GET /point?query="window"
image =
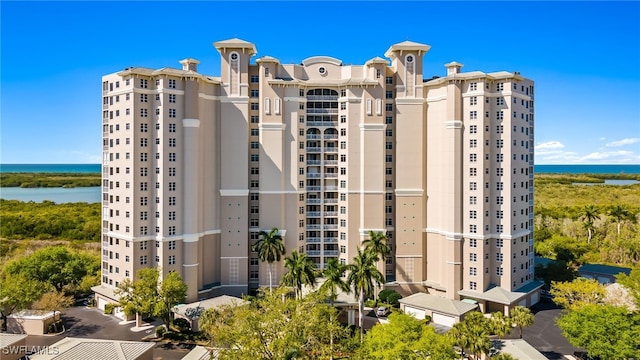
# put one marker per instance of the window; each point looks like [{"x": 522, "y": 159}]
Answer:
[
  {"x": 255, "y": 106},
  {"x": 172, "y": 215},
  {"x": 172, "y": 98},
  {"x": 473, "y": 200},
  {"x": 499, "y": 271},
  {"x": 473, "y": 143},
  {"x": 499, "y": 101},
  {"x": 172, "y": 113},
  {"x": 388, "y": 80},
  {"x": 499, "y": 86},
  {"x": 473, "y": 243},
  {"x": 172, "y": 230},
  {"x": 255, "y": 132},
  {"x": 388, "y": 94},
  {"x": 499, "y": 185},
  {"x": 499, "y": 257},
  {"x": 473, "y": 271},
  {"x": 172, "y": 259},
  {"x": 172, "y": 156},
  {"x": 255, "y": 157},
  {"x": 172, "y": 128},
  {"x": 473, "y": 129},
  {"x": 143, "y": 113},
  {"x": 143, "y": 260},
  {"x": 473, "y": 214},
  {"x": 255, "y": 145},
  {"x": 499, "y": 214},
  {"x": 473, "y": 257},
  {"x": 172, "y": 200},
  {"x": 500, "y": 115},
  {"x": 473, "y": 157},
  {"x": 499, "y": 243},
  {"x": 254, "y": 93},
  {"x": 473, "y": 100},
  {"x": 473, "y": 86},
  {"x": 473, "y": 229},
  {"x": 389, "y": 132},
  {"x": 388, "y": 107},
  {"x": 473, "y": 185},
  {"x": 473, "y": 115},
  {"x": 143, "y": 83},
  {"x": 388, "y": 158},
  {"x": 255, "y": 79},
  {"x": 143, "y": 245}
]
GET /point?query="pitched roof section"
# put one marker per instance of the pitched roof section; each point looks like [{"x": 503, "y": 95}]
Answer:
[
  {"x": 438, "y": 304},
  {"x": 320, "y": 60},
  {"x": 503, "y": 296},
  {"x": 406, "y": 46},
  {"x": 267, "y": 59},
  {"x": 235, "y": 43},
  {"x": 604, "y": 269},
  {"x": 10, "y": 339},
  {"x": 79, "y": 348},
  {"x": 377, "y": 60}
]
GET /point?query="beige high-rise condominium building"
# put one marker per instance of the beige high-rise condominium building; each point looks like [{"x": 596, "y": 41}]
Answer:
[{"x": 195, "y": 165}]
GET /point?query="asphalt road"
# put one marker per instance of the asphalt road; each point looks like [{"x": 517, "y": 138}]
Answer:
[
  {"x": 85, "y": 322},
  {"x": 544, "y": 334}
]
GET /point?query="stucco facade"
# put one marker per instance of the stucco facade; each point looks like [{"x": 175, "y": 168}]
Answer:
[{"x": 194, "y": 165}]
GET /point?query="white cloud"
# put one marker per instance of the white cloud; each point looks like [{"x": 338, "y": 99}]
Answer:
[
  {"x": 603, "y": 138},
  {"x": 623, "y": 142},
  {"x": 611, "y": 157},
  {"x": 549, "y": 145}
]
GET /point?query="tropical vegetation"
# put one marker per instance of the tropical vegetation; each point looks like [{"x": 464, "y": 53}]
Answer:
[
  {"x": 35, "y": 180},
  {"x": 270, "y": 249}
]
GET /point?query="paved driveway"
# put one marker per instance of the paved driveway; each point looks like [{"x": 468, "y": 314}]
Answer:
[
  {"x": 544, "y": 334},
  {"x": 85, "y": 322}
]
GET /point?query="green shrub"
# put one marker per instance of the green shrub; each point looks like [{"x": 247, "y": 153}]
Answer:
[
  {"x": 108, "y": 308},
  {"x": 182, "y": 325},
  {"x": 427, "y": 319},
  {"x": 384, "y": 294},
  {"x": 393, "y": 298},
  {"x": 160, "y": 330},
  {"x": 370, "y": 303}
]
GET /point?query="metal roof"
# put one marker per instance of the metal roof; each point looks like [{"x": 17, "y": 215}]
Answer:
[{"x": 438, "y": 304}]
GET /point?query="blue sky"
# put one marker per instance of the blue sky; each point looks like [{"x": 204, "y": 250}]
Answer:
[{"x": 583, "y": 56}]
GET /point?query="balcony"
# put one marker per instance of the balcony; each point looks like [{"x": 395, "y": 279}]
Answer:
[
  {"x": 322, "y": 97},
  {"x": 331, "y": 162},
  {"x": 314, "y": 175},
  {"x": 332, "y": 149},
  {"x": 314, "y": 149},
  {"x": 314, "y": 136},
  {"x": 313, "y": 226},
  {"x": 330, "y": 240},
  {"x": 313, "y": 252},
  {"x": 331, "y": 253},
  {"x": 322, "y": 123},
  {"x": 322, "y": 111},
  {"x": 330, "y": 213},
  {"x": 314, "y": 162},
  {"x": 105, "y": 257},
  {"x": 313, "y": 240},
  {"x": 314, "y": 188},
  {"x": 330, "y": 175},
  {"x": 313, "y": 213},
  {"x": 330, "y": 226},
  {"x": 330, "y": 136},
  {"x": 330, "y": 187},
  {"x": 314, "y": 201},
  {"x": 330, "y": 201}
]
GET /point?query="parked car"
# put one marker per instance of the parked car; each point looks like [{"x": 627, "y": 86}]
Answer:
[{"x": 382, "y": 311}]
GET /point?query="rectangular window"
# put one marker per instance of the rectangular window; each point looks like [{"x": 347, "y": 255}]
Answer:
[
  {"x": 255, "y": 79},
  {"x": 473, "y": 257},
  {"x": 388, "y": 94},
  {"x": 473, "y": 129},
  {"x": 388, "y": 80},
  {"x": 388, "y": 107},
  {"x": 473, "y": 100},
  {"x": 143, "y": 260},
  {"x": 172, "y": 98},
  {"x": 473, "y": 200},
  {"x": 473, "y": 115},
  {"x": 473, "y": 86}
]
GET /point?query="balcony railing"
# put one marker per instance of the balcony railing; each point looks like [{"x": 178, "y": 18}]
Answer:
[
  {"x": 331, "y": 253},
  {"x": 331, "y": 187},
  {"x": 314, "y": 136},
  {"x": 330, "y": 201},
  {"x": 330, "y": 226},
  {"x": 314, "y": 149},
  {"x": 331, "y": 162},
  {"x": 314, "y": 162},
  {"x": 331, "y": 240},
  {"x": 330, "y": 136},
  {"x": 313, "y": 240},
  {"x": 330, "y": 213},
  {"x": 313, "y": 213},
  {"x": 314, "y": 175},
  {"x": 314, "y": 201},
  {"x": 322, "y": 123},
  {"x": 314, "y": 188},
  {"x": 313, "y": 226},
  {"x": 322, "y": 111},
  {"x": 322, "y": 97},
  {"x": 331, "y": 175},
  {"x": 332, "y": 149},
  {"x": 313, "y": 252}
]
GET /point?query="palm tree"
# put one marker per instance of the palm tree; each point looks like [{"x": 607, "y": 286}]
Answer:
[
  {"x": 590, "y": 213},
  {"x": 300, "y": 271},
  {"x": 521, "y": 317},
  {"x": 377, "y": 244},
  {"x": 472, "y": 334},
  {"x": 619, "y": 213},
  {"x": 333, "y": 282},
  {"x": 500, "y": 324},
  {"x": 270, "y": 248},
  {"x": 362, "y": 273}
]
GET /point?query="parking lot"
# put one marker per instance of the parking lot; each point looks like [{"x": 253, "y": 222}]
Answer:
[{"x": 83, "y": 322}]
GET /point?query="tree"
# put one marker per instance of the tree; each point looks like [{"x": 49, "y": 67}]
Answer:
[
  {"x": 472, "y": 333},
  {"x": 139, "y": 297},
  {"x": 404, "y": 337},
  {"x": 362, "y": 273},
  {"x": 55, "y": 301},
  {"x": 500, "y": 324},
  {"x": 274, "y": 327},
  {"x": 300, "y": 271},
  {"x": 605, "y": 331},
  {"x": 333, "y": 273},
  {"x": 619, "y": 213},
  {"x": 270, "y": 248},
  {"x": 632, "y": 283},
  {"x": 577, "y": 293},
  {"x": 171, "y": 292},
  {"x": 590, "y": 214},
  {"x": 56, "y": 265},
  {"x": 377, "y": 244},
  {"x": 17, "y": 292},
  {"x": 521, "y": 317}
]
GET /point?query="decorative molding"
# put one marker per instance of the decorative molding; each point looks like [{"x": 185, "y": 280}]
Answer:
[
  {"x": 277, "y": 192},
  {"x": 190, "y": 265},
  {"x": 410, "y": 256},
  {"x": 453, "y": 124},
  {"x": 453, "y": 262},
  {"x": 365, "y": 232},
  {"x": 190, "y": 123},
  {"x": 409, "y": 192},
  {"x": 188, "y": 238},
  {"x": 208, "y": 97},
  {"x": 242, "y": 100},
  {"x": 374, "y": 192},
  {"x": 272, "y": 126},
  {"x": 372, "y": 127},
  {"x": 212, "y": 232},
  {"x": 234, "y": 192},
  {"x": 409, "y": 101},
  {"x": 437, "y": 98},
  {"x": 233, "y": 257}
]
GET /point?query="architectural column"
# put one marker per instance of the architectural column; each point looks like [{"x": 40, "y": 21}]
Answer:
[{"x": 190, "y": 235}]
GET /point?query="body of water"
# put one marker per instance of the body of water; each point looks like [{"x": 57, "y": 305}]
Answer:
[
  {"x": 57, "y": 195},
  {"x": 50, "y": 168},
  {"x": 587, "y": 169}
]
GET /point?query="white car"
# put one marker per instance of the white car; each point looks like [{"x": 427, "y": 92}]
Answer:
[{"x": 382, "y": 311}]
